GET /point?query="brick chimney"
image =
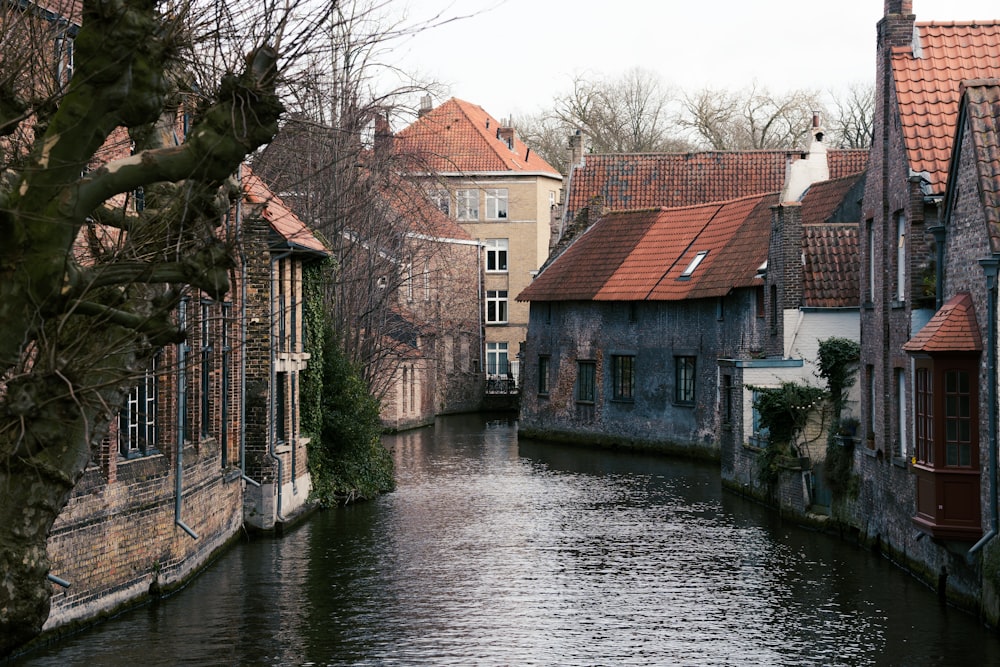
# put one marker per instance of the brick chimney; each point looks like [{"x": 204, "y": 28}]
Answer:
[
  {"x": 896, "y": 26},
  {"x": 506, "y": 135},
  {"x": 425, "y": 106},
  {"x": 577, "y": 148}
]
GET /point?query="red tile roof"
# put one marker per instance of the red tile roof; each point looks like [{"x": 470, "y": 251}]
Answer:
[
  {"x": 830, "y": 248},
  {"x": 981, "y": 104},
  {"x": 641, "y": 255},
  {"x": 832, "y": 266},
  {"x": 633, "y": 181},
  {"x": 459, "y": 136},
  {"x": 279, "y": 216},
  {"x": 952, "y": 329},
  {"x": 927, "y": 88}
]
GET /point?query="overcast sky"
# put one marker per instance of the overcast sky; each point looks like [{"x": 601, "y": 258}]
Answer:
[{"x": 514, "y": 56}]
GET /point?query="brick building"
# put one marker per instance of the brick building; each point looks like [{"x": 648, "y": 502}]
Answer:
[
  {"x": 208, "y": 438},
  {"x": 917, "y": 264},
  {"x": 485, "y": 178}
]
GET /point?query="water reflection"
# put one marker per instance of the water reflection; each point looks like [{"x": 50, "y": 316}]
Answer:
[{"x": 499, "y": 552}]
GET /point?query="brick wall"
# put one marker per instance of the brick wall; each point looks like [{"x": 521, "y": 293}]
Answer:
[{"x": 114, "y": 540}]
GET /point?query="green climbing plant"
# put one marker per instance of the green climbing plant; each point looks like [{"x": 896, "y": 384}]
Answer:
[
  {"x": 347, "y": 461},
  {"x": 838, "y": 363},
  {"x": 784, "y": 412}
]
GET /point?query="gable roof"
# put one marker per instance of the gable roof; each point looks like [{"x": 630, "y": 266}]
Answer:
[
  {"x": 642, "y": 255},
  {"x": 647, "y": 180},
  {"x": 285, "y": 223},
  {"x": 952, "y": 329},
  {"x": 830, "y": 247},
  {"x": 460, "y": 137},
  {"x": 979, "y": 115},
  {"x": 927, "y": 77}
]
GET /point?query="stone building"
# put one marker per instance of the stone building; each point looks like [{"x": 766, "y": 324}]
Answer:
[
  {"x": 485, "y": 178},
  {"x": 629, "y": 322}
]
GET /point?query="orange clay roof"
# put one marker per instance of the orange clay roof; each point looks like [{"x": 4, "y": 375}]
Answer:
[
  {"x": 640, "y": 255},
  {"x": 647, "y": 180},
  {"x": 981, "y": 103},
  {"x": 279, "y": 216},
  {"x": 927, "y": 88},
  {"x": 952, "y": 329},
  {"x": 408, "y": 200},
  {"x": 459, "y": 136}
]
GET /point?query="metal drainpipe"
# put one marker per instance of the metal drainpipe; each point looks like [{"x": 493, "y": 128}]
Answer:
[
  {"x": 272, "y": 406},
  {"x": 990, "y": 266},
  {"x": 181, "y": 412}
]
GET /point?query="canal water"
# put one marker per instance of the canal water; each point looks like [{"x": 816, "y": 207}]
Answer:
[{"x": 495, "y": 551}]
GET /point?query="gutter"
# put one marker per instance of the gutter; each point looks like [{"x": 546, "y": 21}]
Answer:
[{"x": 990, "y": 267}]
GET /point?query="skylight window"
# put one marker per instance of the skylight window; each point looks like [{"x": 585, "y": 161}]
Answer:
[{"x": 694, "y": 264}]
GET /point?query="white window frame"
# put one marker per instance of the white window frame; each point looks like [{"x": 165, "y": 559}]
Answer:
[
  {"x": 137, "y": 427},
  {"x": 442, "y": 200},
  {"x": 497, "y": 203},
  {"x": 497, "y": 360},
  {"x": 467, "y": 204},
  {"x": 496, "y": 306},
  {"x": 497, "y": 255}
]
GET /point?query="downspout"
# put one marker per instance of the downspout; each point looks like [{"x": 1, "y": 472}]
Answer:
[
  {"x": 272, "y": 405},
  {"x": 181, "y": 412},
  {"x": 243, "y": 333},
  {"x": 990, "y": 266}
]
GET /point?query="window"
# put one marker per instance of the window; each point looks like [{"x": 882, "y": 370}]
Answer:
[
  {"x": 441, "y": 199},
  {"x": 774, "y": 309},
  {"x": 684, "y": 380},
  {"x": 496, "y": 359},
  {"x": 760, "y": 434},
  {"x": 924, "y": 417},
  {"x": 900, "y": 446},
  {"x": 694, "y": 264},
  {"x": 586, "y": 374},
  {"x": 496, "y": 204},
  {"x": 496, "y": 306},
  {"x": 759, "y": 297},
  {"x": 870, "y": 224},
  {"x": 137, "y": 423},
  {"x": 206, "y": 370},
  {"x": 543, "y": 375},
  {"x": 870, "y": 379},
  {"x": 957, "y": 420},
  {"x": 726, "y": 400},
  {"x": 720, "y": 308},
  {"x": 281, "y": 407},
  {"x": 496, "y": 255},
  {"x": 623, "y": 373},
  {"x": 900, "y": 257},
  {"x": 467, "y": 204}
]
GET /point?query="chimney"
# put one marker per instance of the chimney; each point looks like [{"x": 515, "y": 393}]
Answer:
[
  {"x": 577, "y": 148},
  {"x": 425, "y": 106},
  {"x": 811, "y": 168},
  {"x": 896, "y": 26},
  {"x": 506, "y": 135},
  {"x": 383, "y": 135}
]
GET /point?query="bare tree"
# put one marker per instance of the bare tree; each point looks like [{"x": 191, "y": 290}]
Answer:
[
  {"x": 335, "y": 163},
  {"x": 631, "y": 113},
  {"x": 853, "y": 120},
  {"x": 89, "y": 280},
  {"x": 547, "y": 136},
  {"x": 749, "y": 119}
]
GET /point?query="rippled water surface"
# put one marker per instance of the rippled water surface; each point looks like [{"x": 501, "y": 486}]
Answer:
[{"x": 499, "y": 552}]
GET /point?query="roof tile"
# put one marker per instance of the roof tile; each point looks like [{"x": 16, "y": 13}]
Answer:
[
  {"x": 671, "y": 180},
  {"x": 459, "y": 136},
  {"x": 640, "y": 255},
  {"x": 952, "y": 329},
  {"x": 927, "y": 88}
]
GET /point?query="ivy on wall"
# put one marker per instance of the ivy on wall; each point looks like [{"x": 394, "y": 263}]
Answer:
[{"x": 347, "y": 461}]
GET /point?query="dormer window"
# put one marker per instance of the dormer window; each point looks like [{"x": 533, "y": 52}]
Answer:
[{"x": 694, "y": 264}]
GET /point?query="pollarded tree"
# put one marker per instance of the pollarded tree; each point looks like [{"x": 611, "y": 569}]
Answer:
[{"x": 108, "y": 217}]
